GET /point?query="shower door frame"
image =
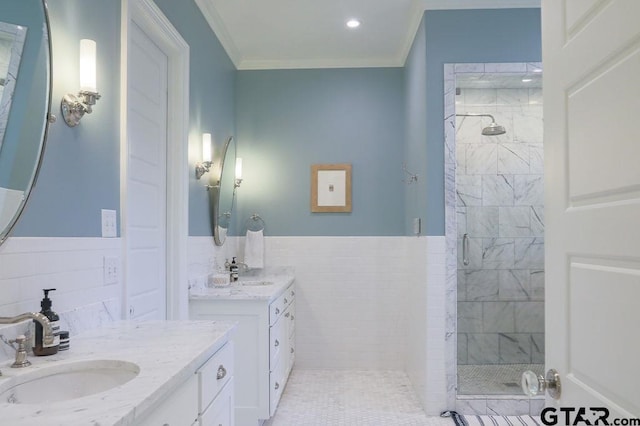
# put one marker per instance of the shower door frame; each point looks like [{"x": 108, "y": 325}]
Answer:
[{"x": 451, "y": 230}]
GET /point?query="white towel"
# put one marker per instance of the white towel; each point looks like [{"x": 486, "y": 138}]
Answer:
[
  {"x": 254, "y": 249},
  {"x": 222, "y": 232}
]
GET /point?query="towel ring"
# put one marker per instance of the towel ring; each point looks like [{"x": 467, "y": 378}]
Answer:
[{"x": 254, "y": 223}]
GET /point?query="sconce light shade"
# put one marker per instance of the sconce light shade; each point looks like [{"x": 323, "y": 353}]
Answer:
[
  {"x": 74, "y": 107},
  {"x": 207, "y": 152},
  {"x": 238, "y": 172},
  {"x": 88, "y": 65},
  {"x": 207, "y": 155}
]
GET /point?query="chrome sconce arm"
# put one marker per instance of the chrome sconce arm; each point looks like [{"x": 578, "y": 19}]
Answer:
[
  {"x": 202, "y": 168},
  {"x": 74, "y": 107}
]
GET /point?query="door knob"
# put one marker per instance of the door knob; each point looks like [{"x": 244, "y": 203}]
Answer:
[{"x": 534, "y": 384}]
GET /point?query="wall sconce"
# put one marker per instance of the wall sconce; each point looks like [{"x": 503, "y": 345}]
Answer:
[
  {"x": 75, "y": 106},
  {"x": 238, "y": 173},
  {"x": 207, "y": 155}
]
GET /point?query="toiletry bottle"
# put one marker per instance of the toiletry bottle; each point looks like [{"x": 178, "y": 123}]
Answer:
[
  {"x": 38, "y": 348},
  {"x": 234, "y": 270}
]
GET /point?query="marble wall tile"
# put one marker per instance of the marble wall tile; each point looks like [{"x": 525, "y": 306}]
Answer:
[
  {"x": 536, "y": 406},
  {"x": 515, "y": 221},
  {"x": 515, "y": 407},
  {"x": 481, "y": 284},
  {"x": 513, "y": 96},
  {"x": 482, "y": 159},
  {"x": 515, "y": 348},
  {"x": 537, "y": 284},
  {"x": 529, "y": 317},
  {"x": 472, "y": 406},
  {"x": 483, "y": 348},
  {"x": 468, "y": 129},
  {"x": 482, "y": 221},
  {"x": 514, "y": 284},
  {"x": 469, "y": 317},
  {"x": 461, "y": 159},
  {"x": 468, "y": 67},
  {"x": 469, "y": 190},
  {"x": 482, "y": 97},
  {"x": 462, "y": 348},
  {"x": 537, "y": 221},
  {"x": 508, "y": 67},
  {"x": 461, "y": 221},
  {"x": 537, "y": 348},
  {"x": 498, "y": 317},
  {"x": 535, "y": 96},
  {"x": 528, "y": 190},
  {"x": 513, "y": 158},
  {"x": 536, "y": 158},
  {"x": 497, "y": 253},
  {"x": 529, "y": 253},
  {"x": 528, "y": 127},
  {"x": 461, "y": 282},
  {"x": 497, "y": 190}
]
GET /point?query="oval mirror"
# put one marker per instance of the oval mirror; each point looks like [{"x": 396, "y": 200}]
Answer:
[
  {"x": 223, "y": 194},
  {"x": 25, "y": 101}
]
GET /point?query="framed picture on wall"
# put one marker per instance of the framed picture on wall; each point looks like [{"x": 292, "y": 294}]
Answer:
[{"x": 330, "y": 188}]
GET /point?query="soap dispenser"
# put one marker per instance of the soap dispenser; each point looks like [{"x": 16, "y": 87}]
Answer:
[
  {"x": 38, "y": 348},
  {"x": 234, "y": 270}
]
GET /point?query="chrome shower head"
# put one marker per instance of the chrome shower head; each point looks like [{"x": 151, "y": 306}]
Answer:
[{"x": 493, "y": 129}]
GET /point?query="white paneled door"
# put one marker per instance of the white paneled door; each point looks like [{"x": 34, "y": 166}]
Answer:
[
  {"x": 146, "y": 190},
  {"x": 591, "y": 57}
]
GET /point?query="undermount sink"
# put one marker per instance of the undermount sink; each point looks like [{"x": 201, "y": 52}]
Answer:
[
  {"x": 255, "y": 283},
  {"x": 66, "y": 381}
]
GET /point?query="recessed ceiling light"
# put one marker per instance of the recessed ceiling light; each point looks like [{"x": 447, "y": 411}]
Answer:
[
  {"x": 353, "y": 23},
  {"x": 527, "y": 80}
]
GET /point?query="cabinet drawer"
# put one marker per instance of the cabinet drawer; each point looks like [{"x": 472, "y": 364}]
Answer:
[
  {"x": 290, "y": 316},
  {"x": 221, "y": 411},
  {"x": 278, "y": 341},
  {"x": 214, "y": 374},
  {"x": 277, "y": 381},
  {"x": 278, "y": 306}
]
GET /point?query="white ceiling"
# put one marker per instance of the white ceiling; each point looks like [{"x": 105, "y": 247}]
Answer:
[{"x": 272, "y": 34}]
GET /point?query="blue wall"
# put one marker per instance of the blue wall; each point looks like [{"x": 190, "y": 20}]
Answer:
[
  {"x": 81, "y": 167},
  {"x": 80, "y": 174},
  {"x": 290, "y": 119},
  {"x": 415, "y": 154},
  {"x": 454, "y": 36},
  {"x": 211, "y": 98}
]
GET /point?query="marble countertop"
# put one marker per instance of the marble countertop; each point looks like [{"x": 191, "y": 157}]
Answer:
[
  {"x": 167, "y": 353},
  {"x": 239, "y": 291}
]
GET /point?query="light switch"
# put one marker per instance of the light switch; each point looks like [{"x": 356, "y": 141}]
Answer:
[{"x": 109, "y": 226}]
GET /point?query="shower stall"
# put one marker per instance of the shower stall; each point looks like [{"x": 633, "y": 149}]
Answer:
[{"x": 497, "y": 157}]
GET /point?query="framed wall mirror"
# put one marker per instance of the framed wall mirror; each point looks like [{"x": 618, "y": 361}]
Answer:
[
  {"x": 223, "y": 193},
  {"x": 25, "y": 104}
]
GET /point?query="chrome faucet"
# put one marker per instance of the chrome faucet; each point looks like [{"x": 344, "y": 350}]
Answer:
[{"x": 47, "y": 331}]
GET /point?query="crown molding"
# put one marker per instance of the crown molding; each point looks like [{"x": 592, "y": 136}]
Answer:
[{"x": 216, "y": 23}]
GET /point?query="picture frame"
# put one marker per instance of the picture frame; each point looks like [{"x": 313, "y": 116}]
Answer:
[{"x": 331, "y": 188}]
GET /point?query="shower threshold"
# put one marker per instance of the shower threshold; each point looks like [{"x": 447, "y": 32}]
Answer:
[{"x": 500, "y": 379}]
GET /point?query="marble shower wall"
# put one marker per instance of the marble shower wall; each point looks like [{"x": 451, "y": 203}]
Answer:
[{"x": 499, "y": 204}]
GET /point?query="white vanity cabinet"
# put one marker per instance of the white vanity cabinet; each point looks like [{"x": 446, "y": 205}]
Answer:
[
  {"x": 206, "y": 398},
  {"x": 264, "y": 345}
]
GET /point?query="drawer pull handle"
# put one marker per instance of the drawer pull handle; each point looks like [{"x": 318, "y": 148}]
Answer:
[
  {"x": 285, "y": 300},
  {"x": 222, "y": 372},
  {"x": 277, "y": 311},
  {"x": 276, "y": 344},
  {"x": 292, "y": 350},
  {"x": 287, "y": 315},
  {"x": 291, "y": 317},
  {"x": 277, "y": 386},
  {"x": 293, "y": 293}
]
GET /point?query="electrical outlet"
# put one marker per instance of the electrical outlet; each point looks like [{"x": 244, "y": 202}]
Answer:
[
  {"x": 109, "y": 226},
  {"x": 110, "y": 269}
]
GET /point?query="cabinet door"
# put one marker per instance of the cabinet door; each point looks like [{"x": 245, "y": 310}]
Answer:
[
  {"x": 221, "y": 411},
  {"x": 179, "y": 409}
]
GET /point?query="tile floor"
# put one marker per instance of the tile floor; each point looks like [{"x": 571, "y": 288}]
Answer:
[{"x": 351, "y": 398}]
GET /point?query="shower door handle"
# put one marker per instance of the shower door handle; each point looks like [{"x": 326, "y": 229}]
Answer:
[{"x": 465, "y": 249}]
